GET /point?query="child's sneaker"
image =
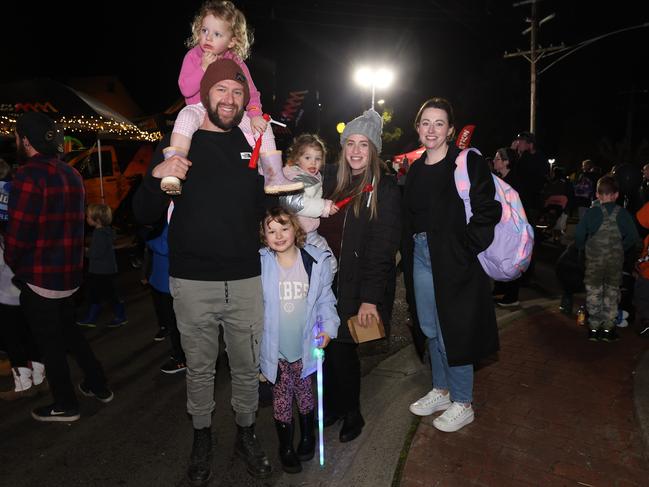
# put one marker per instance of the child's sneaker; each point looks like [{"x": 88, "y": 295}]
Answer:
[
  {"x": 593, "y": 335},
  {"x": 430, "y": 403},
  {"x": 609, "y": 335},
  {"x": 104, "y": 395},
  {"x": 454, "y": 418}
]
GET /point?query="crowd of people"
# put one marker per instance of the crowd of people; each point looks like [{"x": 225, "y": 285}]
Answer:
[{"x": 281, "y": 276}]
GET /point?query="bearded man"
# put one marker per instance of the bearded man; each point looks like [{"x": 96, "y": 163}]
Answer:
[{"x": 214, "y": 263}]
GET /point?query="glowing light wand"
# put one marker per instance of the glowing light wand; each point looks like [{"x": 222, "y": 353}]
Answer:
[{"x": 319, "y": 355}]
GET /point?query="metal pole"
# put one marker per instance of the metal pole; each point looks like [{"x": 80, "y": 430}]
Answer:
[
  {"x": 533, "y": 58},
  {"x": 373, "y": 89},
  {"x": 101, "y": 173}
]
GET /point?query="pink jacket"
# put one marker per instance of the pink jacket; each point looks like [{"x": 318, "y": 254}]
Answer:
[{"x": 191, "y": 74}]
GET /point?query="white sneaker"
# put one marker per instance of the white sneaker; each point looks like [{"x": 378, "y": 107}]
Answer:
[
  {"x": 454, "y": 418},
  {"x": 430, "y": 403},
  {"x": 622, "y": 324}
]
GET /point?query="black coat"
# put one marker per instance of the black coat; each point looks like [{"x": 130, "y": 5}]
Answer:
[
  {"x": 366, "y": 262},
  {"x": 462, "y": 289}
]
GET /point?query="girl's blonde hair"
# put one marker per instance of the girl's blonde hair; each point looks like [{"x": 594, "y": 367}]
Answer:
[
  {"x": 227, "y": 12},
  {"x": 371, "y": 175},
  {"x": 283, "y": 217},
  {"x": 102, "y": 214},
  {"x": 301, "y": 143}
]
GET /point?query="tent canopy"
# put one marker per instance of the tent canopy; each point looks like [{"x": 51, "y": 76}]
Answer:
[{"x": 76, "y": 111}]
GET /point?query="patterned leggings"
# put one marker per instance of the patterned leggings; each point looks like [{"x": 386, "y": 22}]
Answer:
[{"x": 288, "y": 384}]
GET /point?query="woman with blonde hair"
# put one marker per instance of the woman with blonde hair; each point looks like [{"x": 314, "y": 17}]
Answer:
[{"x": 364, "y": 237}]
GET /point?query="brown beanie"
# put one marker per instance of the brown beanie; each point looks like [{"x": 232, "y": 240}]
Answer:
[{"x": 218, "y": 71}]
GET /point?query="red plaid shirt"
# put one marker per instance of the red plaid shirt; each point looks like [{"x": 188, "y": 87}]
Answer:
[{"x": 44, "y": 238}]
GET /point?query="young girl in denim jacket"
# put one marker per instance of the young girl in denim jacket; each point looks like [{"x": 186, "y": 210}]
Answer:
[{"x": 299, "y": 315}]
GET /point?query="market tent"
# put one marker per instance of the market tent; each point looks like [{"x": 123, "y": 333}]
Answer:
[
  {"x": 76, "y": 112},
  {"x": 73, "y": 109}
]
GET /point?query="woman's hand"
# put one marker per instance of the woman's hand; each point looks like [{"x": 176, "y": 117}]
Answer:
[
  {"x": 365, "y": 313},
  {"x": 325, "y": 339}
]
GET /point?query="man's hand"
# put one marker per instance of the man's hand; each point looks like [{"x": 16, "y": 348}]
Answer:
[
  {"x": 365, "y": 313},
  {"x": 174, "y": 166}
]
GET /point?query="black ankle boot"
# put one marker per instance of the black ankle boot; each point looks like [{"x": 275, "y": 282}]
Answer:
[
  {"x": 200, "y": 469},
  {"x": 248, "y": 448},
  {"x": 306, "y": 447},
  {"x": 352, "y": 426},
  {"x": 290, "y": 462}
]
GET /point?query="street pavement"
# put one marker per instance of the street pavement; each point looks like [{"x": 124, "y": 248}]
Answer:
[{"x": 551, "y": 409}]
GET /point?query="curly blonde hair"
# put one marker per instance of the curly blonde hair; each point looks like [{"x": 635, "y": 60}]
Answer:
[
  {"x": 227, "y": 12},
  {"x": 283, "y": 217},
  {"x": 300, "y": 144}
]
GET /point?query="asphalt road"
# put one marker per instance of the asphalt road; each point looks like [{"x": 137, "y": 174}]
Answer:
[{"x": 143, "y": 437}]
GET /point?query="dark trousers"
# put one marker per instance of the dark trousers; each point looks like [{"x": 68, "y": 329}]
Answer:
[
  {"x": 18, "y": 340},
  {"x": 342, "y": 378},
  {"x": 52, "y": 324},
  {"x": 101, "y": 287},
  {"x": 509, "y": 289},
  {"x": 163, "y": 303}
]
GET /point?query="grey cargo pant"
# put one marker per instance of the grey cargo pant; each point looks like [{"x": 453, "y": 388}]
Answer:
[{"x": 200, "y": 307}]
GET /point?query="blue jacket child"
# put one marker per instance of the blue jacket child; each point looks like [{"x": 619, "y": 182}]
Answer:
[
  {"x": 299, "y": 311},
  {"x": 321, "y": 304}
]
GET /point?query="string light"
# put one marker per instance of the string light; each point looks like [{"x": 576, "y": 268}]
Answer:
[{"x": 90, "y": 124}]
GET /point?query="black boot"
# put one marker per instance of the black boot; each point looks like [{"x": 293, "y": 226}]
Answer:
[
  {"x": 306, "y": 447},
  {"x": 352, "y": 426},
  {"x": 200, "y": 470},
  {"x": 290, "y": 462},
  {"x": 248, "y": 448}
]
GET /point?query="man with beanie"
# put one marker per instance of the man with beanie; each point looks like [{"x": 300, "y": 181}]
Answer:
[
  {"x": 44, "y": 248},
  {"x": 214, "y": 265}
]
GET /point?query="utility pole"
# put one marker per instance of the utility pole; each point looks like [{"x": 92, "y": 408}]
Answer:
[{"x": 535, "y": 53}]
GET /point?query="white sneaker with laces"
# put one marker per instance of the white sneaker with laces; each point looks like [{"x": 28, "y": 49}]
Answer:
[
  {"x": 430, "y": 403},
  {"x": 454, "y": 418}
]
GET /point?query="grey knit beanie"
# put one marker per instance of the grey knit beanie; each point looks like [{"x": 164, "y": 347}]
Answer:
[{"x": 370, "y": 124}]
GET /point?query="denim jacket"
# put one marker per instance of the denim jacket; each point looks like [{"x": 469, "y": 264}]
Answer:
[{"x": 321, "y": 305}]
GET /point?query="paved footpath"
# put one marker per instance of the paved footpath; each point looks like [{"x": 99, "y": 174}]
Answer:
[{"x": 553, "y": 410}]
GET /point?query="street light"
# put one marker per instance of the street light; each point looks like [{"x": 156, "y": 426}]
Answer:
[{"x": 374, "y": 78}]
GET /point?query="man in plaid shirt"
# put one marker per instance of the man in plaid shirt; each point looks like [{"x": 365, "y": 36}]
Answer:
[{"x": 44, "y": 248}]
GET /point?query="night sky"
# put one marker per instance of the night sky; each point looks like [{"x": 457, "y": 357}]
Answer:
[{"x": 587, "y": 103}]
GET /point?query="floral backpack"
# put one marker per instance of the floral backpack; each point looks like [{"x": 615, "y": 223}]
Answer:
[{"x": 510, "y": 253}]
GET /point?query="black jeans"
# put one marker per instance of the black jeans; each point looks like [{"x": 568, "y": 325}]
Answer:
[
  {"x": 342, "y": 378},
  {"x": 163, "y": 304},
  {"x": 52, "y": 324},
  {"x": 18, "y": 340}
]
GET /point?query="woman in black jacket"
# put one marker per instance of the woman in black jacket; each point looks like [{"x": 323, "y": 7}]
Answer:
[
  {"x": 364, "y": 237},
  {"x": 452, "y": 292}
]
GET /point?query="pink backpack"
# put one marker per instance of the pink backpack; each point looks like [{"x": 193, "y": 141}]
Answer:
[{"x": 510, "y": 253}]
